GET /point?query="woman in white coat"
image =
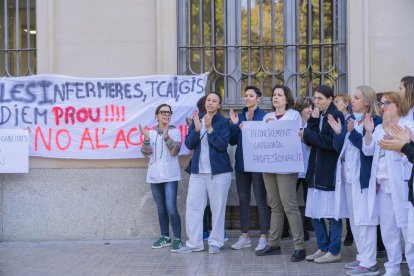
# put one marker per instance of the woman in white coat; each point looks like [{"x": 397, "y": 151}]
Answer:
[
  {"x": 389, "y": 172},
  {"x": 353, "y": 193},
  {"x": 403, "y": 142}
]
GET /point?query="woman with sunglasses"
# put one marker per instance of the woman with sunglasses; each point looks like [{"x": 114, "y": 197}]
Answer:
[
  {"x": 403, "y": 142},
  {"x": 161, "y": 145},
  {"x": 389, "y": 173},
  {"x": 210, "y": 178},
  {"x": 353, "y": 195}
]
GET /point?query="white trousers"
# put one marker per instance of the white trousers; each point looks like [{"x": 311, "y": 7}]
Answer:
[
  {"x": 365, "y": 236},
  {"x": 391, "y": 236},
  {"x": 216, "y": 189}
]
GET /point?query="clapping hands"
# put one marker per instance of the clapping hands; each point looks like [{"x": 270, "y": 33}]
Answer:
[
  {"x": 234, "y": 117},
  {"x": 335, "y": 125},
  {"x": 197, "y": 123},
  {"x": 397, "y": 139}
]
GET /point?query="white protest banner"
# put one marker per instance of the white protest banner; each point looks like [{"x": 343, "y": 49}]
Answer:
[
  {"x": 14, "y": 151},
  {"x": 94, "y": 118},
  {"x": 272, "y": 147}
]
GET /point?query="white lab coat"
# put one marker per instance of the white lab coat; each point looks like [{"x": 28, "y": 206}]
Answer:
[
  {"x": 290, "y": 114},
  {"x": 163, "y": 167},
  {"x": 320, "y": 204},
  {"x": 362, "y": 200},
  {"x": 398, "y": 171},
  {"x": 410, "y": 231},
  {"x": 410, "y": 115}
]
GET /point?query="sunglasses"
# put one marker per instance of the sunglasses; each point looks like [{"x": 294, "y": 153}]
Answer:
[
  {"x": 165, "y": 113},
  {"x": 384, "y": 104}
]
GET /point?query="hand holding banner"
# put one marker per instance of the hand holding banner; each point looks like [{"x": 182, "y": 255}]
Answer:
[{"x": 273, "y": 147}]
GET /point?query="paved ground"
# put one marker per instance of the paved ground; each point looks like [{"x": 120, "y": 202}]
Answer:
[{"x": 137, "y": 258}]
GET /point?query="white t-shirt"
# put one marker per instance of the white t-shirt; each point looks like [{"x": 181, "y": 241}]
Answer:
[{"x": 204, "y": 165}]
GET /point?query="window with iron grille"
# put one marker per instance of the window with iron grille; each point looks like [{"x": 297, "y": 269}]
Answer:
[
  {"x": 299, "y": 43},
  {"x": 17, "y": 38}
]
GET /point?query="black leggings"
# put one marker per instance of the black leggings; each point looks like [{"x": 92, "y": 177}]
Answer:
[{"x": 244, "y": 181}]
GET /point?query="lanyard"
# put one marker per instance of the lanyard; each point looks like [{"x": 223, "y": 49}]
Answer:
[{"x": 162, "y": 148}]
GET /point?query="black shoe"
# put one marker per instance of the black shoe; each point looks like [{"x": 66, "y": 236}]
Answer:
[
  {"x": 381, "y": 251},
  {"x": 269, "y": 251},
  {"x": 307, "y": 224},
  {"x": 298, "y": 255},
  {"x": 349, "y": 239},
  {"x": 305, "y": 235}
]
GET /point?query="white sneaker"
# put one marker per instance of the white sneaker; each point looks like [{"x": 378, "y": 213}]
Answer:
[
  {"x": 392, "y": 274},
  {"x": 242, "y": 243},
  {"x": 328, "y": 258},
  {"x": 212, "y": 249},
  {"x": 352, "y": 265},
  {"x": 315, "y": 255},
  {"x": 187, "y": 249},
  {"x": 364, "y": 271},
  {"x": 261, "y": 245}
]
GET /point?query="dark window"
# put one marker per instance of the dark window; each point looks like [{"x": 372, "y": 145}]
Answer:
[{"x": 17, "y": 38}]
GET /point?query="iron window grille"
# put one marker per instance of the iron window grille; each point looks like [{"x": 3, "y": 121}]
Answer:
[
  {"x": 299, "y": 43},
  {"x": 17, "y": 38}
]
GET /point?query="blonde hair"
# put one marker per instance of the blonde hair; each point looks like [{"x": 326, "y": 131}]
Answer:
[
  {"x": 346, "y": 98},
  {"x": 402, "y": 106},
  {"x": 370, "y": 98}
]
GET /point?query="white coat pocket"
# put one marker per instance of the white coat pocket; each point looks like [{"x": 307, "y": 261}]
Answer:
[{"x": 163, "y": 172}]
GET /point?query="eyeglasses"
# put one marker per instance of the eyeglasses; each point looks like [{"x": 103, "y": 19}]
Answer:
[
  {"x": 384, "y": 104},
  {"x": 339, "y": 101},
  {"x": 165, "y": 113}
]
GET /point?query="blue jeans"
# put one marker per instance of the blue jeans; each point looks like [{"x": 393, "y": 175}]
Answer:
[
  {"x": 331, "y": 243},
  {"x": 165, "y": 196}
]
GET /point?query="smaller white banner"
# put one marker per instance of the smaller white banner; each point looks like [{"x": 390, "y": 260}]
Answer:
[
  {"x": 14, "y": 151},
  {"x": 272, "y": 147}
]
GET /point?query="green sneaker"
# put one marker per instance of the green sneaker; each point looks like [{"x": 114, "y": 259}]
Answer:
[
  {"x": 162, "y": 242},
  {"x": 176, "y": 244}
]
